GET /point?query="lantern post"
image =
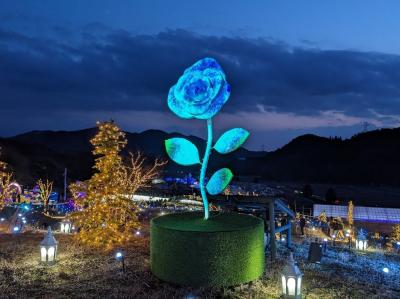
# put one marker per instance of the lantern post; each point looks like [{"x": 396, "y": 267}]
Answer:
[
  {"x": 48, "y": 248},
  {"x": 291, "y": 280}
]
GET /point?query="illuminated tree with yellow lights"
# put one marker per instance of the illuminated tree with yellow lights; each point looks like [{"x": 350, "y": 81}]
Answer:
[
  {"x": 109, "y": 215},
  {"x": 5, "y": 181},
  {"x": 395, "y": 235},
  {"x": 350, "y": 211},
  {"x": 136, "y": 174},
  {"x": 45, "y": 189},
  {"x": 78, "y": 191},
  {"x": 322, "y": 217}
]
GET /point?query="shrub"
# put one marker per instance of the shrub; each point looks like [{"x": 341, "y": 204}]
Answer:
[{"x": 227, "y": 249}]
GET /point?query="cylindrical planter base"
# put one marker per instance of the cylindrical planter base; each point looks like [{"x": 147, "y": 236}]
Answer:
[{"x": 225, "y": 250}]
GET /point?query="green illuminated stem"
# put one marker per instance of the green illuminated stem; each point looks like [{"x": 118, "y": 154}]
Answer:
[{"x": 204, "y": 168}]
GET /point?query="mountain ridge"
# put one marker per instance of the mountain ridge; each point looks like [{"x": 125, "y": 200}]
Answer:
[{"x": 369, "y": 158}]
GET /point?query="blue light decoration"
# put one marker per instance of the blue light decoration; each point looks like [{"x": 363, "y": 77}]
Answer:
[
  {"x": 200, "y": 93},
  {"x": 385, "y": 270},
  {"x": 119, "y": 255}
]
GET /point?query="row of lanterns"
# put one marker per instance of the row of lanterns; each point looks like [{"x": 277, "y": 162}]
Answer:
[
  {"x": 48, "y": 246},
  {"x": 291, "y": 275}
]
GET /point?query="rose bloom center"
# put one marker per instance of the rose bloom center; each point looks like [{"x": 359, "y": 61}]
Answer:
[{"x": 197, "y": 90}]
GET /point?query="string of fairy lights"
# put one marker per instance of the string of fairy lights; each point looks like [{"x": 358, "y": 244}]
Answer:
[
  {"x": 5, "y": 181},
  {"x": 107, "y": 216}
]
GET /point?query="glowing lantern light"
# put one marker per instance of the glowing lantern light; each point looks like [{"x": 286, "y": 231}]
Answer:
[
  {"x": 361, "y": 241},
  {"x": 65, "y": 226},
  {"x": 291, "y": 280},
  {"x": 48, "y": 248},
  {"x": 361, "y": 244}
]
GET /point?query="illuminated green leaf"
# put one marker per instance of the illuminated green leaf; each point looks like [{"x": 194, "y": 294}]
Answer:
[
  {"x": 182, "y": 151},
  {"x": 231, "y": 140},
  {"x": 219, "y": 181}
]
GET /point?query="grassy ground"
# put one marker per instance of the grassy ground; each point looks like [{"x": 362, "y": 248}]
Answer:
[{"x": 81, "y": 273}]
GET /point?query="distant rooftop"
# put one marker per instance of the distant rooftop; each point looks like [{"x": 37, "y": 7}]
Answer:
[{"x": 371, "y": 214}]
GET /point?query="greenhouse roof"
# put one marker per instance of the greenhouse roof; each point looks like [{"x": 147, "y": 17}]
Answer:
[{"x": 359, "y": 213}]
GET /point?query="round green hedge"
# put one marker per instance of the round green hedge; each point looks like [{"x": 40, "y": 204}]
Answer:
[{"x": 225, "y": 250}]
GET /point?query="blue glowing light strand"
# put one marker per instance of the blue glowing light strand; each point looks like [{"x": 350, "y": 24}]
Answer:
[{"x": 204, "y": 168}]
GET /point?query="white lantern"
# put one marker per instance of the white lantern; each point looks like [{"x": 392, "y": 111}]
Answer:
[
  {"x": 48, "y": 248},
  {"x": 291, "y": 280},
  {"x": 361, "y": 244},
  {"x": 361, "y": 241},
  {"x": 65, "y": 226}
]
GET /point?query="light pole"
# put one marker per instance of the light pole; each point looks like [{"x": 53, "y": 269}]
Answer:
[{"x": 119, "y": 256}]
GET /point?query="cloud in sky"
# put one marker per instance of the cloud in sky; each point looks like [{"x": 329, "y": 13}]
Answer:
[{"x": 68, "y": 83}]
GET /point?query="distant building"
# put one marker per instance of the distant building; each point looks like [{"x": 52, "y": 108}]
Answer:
[
  {"x": 368, "y": 214},
  {"x": 370, "y": 218}
]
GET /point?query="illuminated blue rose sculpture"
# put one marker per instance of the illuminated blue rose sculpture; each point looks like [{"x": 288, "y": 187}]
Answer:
[
  {"x": 228, "y": 248},
  {"x": 200, "y": 93}
]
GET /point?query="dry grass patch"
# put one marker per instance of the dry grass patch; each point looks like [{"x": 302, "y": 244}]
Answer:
[{"x": 84, "y": 273}]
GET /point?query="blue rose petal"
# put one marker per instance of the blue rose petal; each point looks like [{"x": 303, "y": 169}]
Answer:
[
  {"x": 204, "y": 64},
  {"x": 217, "y": 104},
  {"x": 200, "y": 92},
  {"x": 176, "y": 106}
]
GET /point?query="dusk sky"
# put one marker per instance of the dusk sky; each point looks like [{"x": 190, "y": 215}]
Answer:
[{"x": 322, "y": 67}]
